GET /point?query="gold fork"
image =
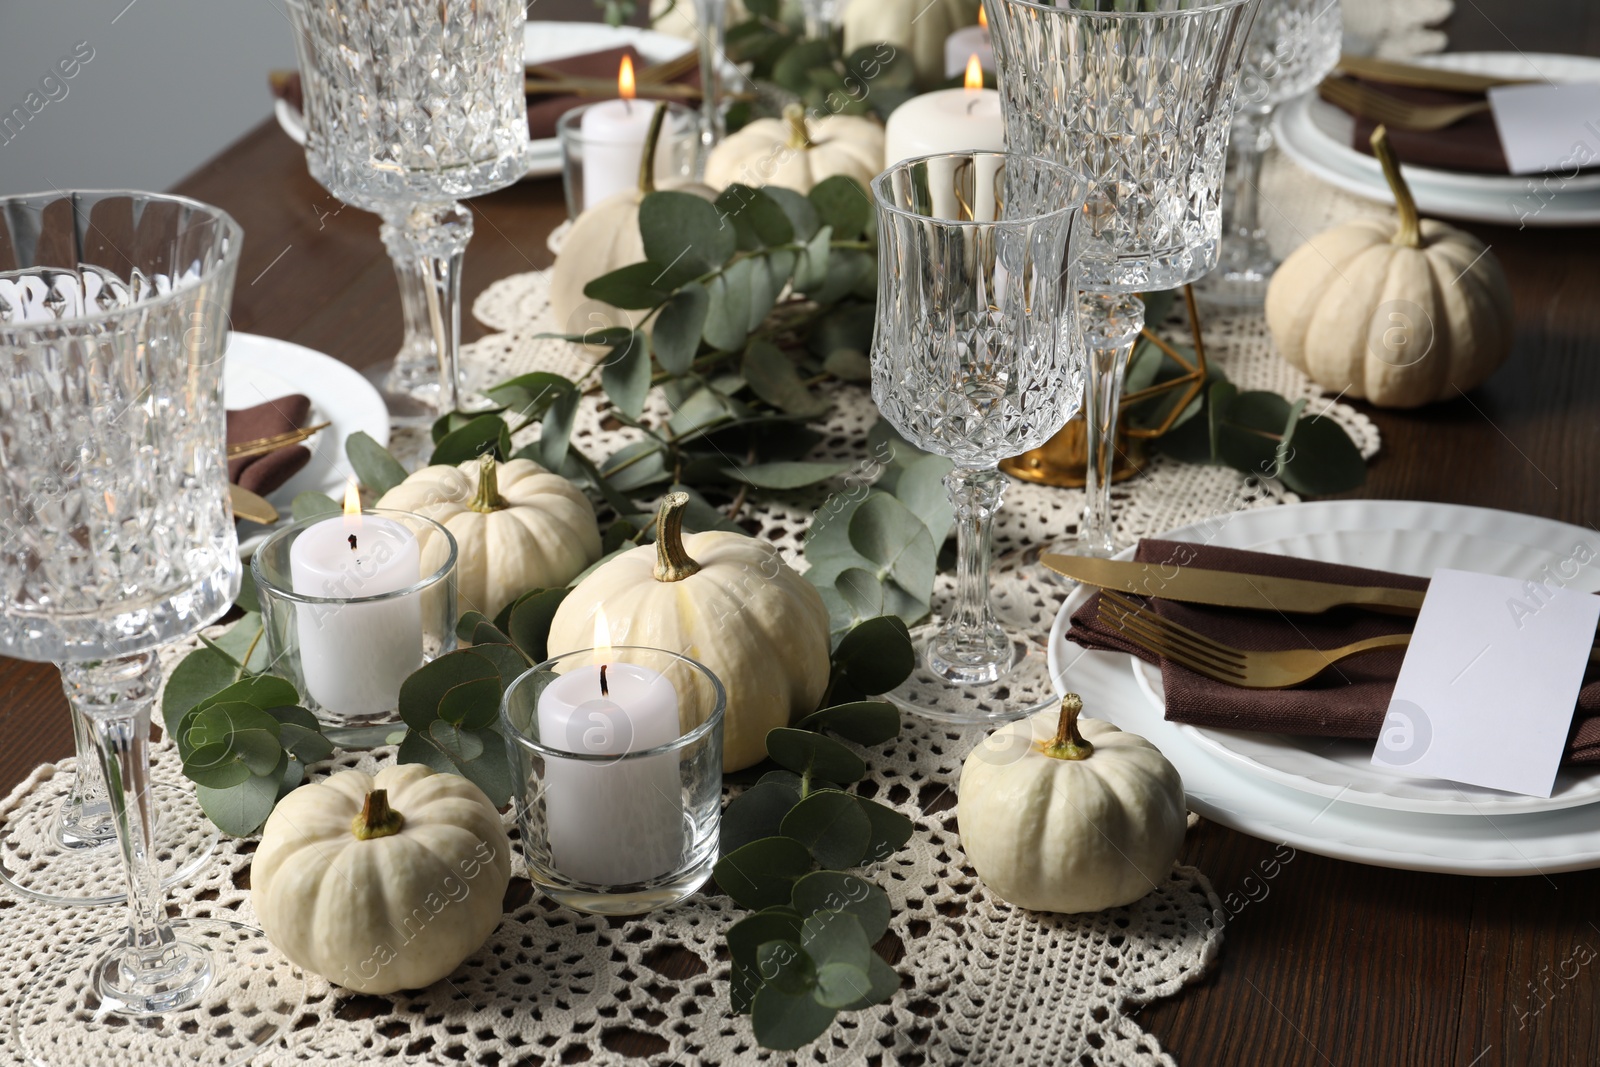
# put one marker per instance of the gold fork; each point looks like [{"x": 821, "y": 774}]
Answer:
[
  {"x": 1244, "y": 668},
  {"x": 260, "y": 446},
  {"x": 1399, "y": 114}
]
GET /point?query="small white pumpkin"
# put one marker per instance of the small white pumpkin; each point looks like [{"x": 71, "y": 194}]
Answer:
[
  {"x": 603, "y": 239},
  {"x": 1399, "y": 317},
  {"x": 677, "y": 17},
  {"x": 724, "y": 599},
  {"x": 517, "y": 527},
  {"x": 797, "y": 153},
  {"x": 385, "y": 883},
  {"x": 1064, "y": 814},
  {"x": 919, "y": 27}
]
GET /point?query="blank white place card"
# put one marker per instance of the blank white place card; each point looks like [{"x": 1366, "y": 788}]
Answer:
[
  {"x": 1489, "y": 683},
  {"x": 1548, "y": 127}
]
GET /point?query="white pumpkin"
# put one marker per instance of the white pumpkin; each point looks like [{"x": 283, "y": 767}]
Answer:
[
  {"x": 677, "y": 17},
  {"x": 385, "y": 883},
  {"x": 797, "y": 153},
  {"x": 517, "y": 527},
  {"x": 914, "y": 26},
  {"x": 723, "y": 599},
  {"x": 1399, "y": 317},
  {"x": 1064, "y": 814}
]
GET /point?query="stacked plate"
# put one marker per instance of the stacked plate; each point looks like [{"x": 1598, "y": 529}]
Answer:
[
  {"x": 1317, "y": 135},
  {"x": 1323, "y": 795}
]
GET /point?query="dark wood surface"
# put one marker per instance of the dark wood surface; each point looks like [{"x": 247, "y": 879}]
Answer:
[{"x": 1324, "y": 962}]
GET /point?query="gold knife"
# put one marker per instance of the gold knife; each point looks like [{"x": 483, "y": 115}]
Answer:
[
  {"x": 1197, "y": 585},
  {"x": 1418, "y": 76},
  {"x": 248, "y": 505}
]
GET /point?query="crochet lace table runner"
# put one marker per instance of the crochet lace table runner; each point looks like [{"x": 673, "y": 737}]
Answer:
[{"x": 982, "y": 983}]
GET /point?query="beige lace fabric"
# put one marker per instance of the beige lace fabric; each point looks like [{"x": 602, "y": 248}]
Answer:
[{"x": 981, "y": 983}]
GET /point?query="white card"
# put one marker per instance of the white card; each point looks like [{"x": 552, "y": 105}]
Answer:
[
  {"x": 1490, "y": 681},
  {"x": 1548, "y": 127}
]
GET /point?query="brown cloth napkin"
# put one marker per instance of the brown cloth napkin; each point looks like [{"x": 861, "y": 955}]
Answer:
[
  {"x": 1473, "y": 144},
  {"x": 1347, "y": 700},
  {"x": 543, "y": 110},
  {"x": 262, "y": 474}
]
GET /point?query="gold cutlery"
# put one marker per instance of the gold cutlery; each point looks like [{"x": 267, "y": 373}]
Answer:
[
  {"x": 260, "y": 446},
  {"x": 1197, "y": 585},
  {"x": 248, "y": 505},
  {"x": 1239, "y": 667},
  {"x": 1420, "y": 77},
  {"x": 1393, "y": 112}
]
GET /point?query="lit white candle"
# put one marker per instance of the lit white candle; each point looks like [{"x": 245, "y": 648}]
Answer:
[
  {"x": 614, "y": 133},
  {"x": 353, "y": 657},
  {"x": 968, "y": 41},
  {"x": 611, "y": 823},
  {"x": 950, "y": 120}
]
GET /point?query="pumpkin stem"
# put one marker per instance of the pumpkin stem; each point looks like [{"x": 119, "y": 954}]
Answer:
[
  {"x": 1409, "y": 234},
  {"x": 377, "y": 818},
  {"x": 799, "y": 136},
  {"x": 672, "y": 559},
  {"x": 487, "y": 498},
  {"x": 647, "y": 162},
  {"x": 1069, "y": 743}
]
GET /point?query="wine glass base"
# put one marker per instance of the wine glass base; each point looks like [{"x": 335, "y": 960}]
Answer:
[
  {"x": 1019, "y": 687},
  {"x": 248, "y": 1000},
  {"x": 412, "y": 399},
  {"x": 1240, "y": 289},
  {"x": 36, "y": 864}
]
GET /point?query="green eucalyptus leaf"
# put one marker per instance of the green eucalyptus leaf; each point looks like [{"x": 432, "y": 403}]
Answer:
[
  {"x": 882, "y": 981},
  {"x": 198, "y": 675},
  {"x": 1250, "y": 431},
  {"x": 529, "y": 396},
  {"x": 634, "y": 287},
  {"x": 843, "y": 205},
  {"x": 314, "y": 505},
  {"x": 897, "y": 541},
  {"x": 462, "y": 746},
  {"x": 849, "y": 271},
  {"x": 700, "y": 409},
  {"x": 822, "y": 891},
  {"x": 305, "y": 744},
  {"x": 1218, "y": 399},
  {"x": 756, "y": 215},
  {"x": 473, "y": 705},
  {"x": 812, "y": 754},
  {"x": 890, "y": 830},
  {"x": 811, "y": 266},
  {"x": 835, "y": 937},
  {"x": 1323, "y": 460},
  {"x": 683, "y": 231},
  {"x": 294, "y": 773},
  {"x": 699, "y": 516},
  {"x": 764, "y": 292},
  {"x": 788, "y": 475},
  {"x": 508, "y": 660},
  {"x": 745, "y": 937},
  {"x": 215, "y": 765},
  {"x": 486, "y": 433},
  {"x": 728, "y": 312},
  {"x": 783, "y": 965},
  {"x": 869, "y": 596},
  {"x": 773, "y": 377},
  {"x": 920, "y": 487},
  {"x": 636, "y": 465},
  {"x": 378, "y": 470},
  {"x": 784, "y": 1021},
  {"x": 424, "y": 688},
  {"x": 848, "y": 365},
  {"x": 228, "y": 732},
  {"x": 866, "y": 722},
  {"x": 530, "y": 622},
  {"x": 625, "y": 375},
  {"x": 840, "y": 984},
  {"x": 876, "y": 656},
  {"x": 678, "y": 326},
  {"x": 756, "y": 813},
  {"x": 248, "y": 600},
  {"x": 260, "y": 691},
  {"x": 762, "y": 873},
  {"x": 802, "y": 212},
  {"x": 415, "y": 747},
  {"x": 832, "y": 825},
  {"x": 555, "y": 430},
  {"x": 1158, "y": 305},
  {"x": 240, "y": 810}
]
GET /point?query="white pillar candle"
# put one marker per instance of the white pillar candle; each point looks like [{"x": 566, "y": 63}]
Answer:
[
  {"x": 612, "y": 823},
  {"x": 966, "y": 42},
  {"x": 950, "y": 120},
  {"x": 353, "y": 657},
  {"x": 613, "y": 146}
]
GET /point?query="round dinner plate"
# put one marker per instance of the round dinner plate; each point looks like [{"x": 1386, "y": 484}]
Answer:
[
  {"x": 543, "y": 42},
  {"x": 1289, "y": 808},
  {"x": 257, "y": 369},
  {"x": 1317, "y": 135}
]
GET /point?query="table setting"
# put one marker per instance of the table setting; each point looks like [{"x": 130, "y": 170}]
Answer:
[{"x": 858, "y": 602}]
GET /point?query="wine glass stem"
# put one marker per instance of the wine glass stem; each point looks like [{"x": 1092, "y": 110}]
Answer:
[
  {"x": 972, "y": 635},
  {"x": 434, "y": 237},
  {"x": 1111, "y": 323},
  {"x": 84, "y": 820},
  {"x": 114, "y": 697},
  {"x": 1254, "y": 137},
  {"x": 816, "y": 26},
  {"x": 416, "y": 365},
  {"x": 710, "y": 18}
]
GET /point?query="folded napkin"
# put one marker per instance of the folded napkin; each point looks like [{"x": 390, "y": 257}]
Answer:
[
  {"x": 544, "y": 110},
  {"x": 262, "y": 474},
  {"x": 1347, "y": 700},
  {"x": 1473, "y": 144}
]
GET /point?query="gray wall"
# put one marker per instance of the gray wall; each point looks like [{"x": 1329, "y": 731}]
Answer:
[{"x": 170, "y": 84}]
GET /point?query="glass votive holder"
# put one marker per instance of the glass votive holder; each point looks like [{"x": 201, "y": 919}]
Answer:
[
  {"x": 602, "y": 146},
  {"x": 348, "y": 613},
  {"x": 619, "y": 776}
]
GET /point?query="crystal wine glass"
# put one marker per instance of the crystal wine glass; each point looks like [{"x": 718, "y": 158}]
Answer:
[
  {"x": 1292, "y": 47},
  {"x": 711, "y": 26},
  {"x": 113, "y": 484},
  {"x": 973, "y": 342},
  {"x": 411, "y": 106},
  {"x": 1136, "y": 95}
]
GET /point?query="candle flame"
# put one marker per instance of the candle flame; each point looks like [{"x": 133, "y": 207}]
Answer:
[
  {"x": 625, "y": 80},
  {"x": 983, "y": 18},
  {"x": 974, "y": 79},
  {"x": 352, "y": 505},
  {"x": 602, "y": 635}
]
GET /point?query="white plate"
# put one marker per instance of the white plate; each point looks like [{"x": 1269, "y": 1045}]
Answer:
[
  {"x": 1316, "y": 135},
  {"x": 544, "y": 42},
  {"x": 257, "y": 369},
  {"x": 1341, "y": 767},
  {"x": 1567, "y": 839}
]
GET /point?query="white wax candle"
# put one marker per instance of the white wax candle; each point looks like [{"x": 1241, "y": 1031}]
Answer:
[
  {"x": 962, "y": 45},
  {"x": 612, "y": 823},
  {"x": 354, "y": 656},
  {"x": 950, "y": 120},
  {"x": 614, "y": 133}
]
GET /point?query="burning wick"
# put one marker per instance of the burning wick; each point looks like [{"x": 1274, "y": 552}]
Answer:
[
  {"x": 605, "y": 690},
  {"x": 352, "y": 542}
]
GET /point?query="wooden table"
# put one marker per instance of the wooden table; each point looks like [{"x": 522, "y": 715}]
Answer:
[{"x": 1325, "y": 963}]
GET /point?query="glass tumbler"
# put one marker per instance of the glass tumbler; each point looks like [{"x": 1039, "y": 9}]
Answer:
[{"x": 619, "y": 776}]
